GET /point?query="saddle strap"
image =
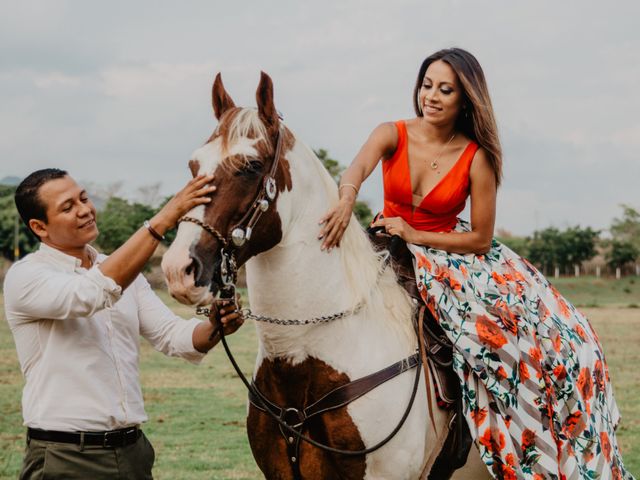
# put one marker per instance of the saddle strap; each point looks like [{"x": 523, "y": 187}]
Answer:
[
  {"x": 336, "y": 398},
  {"x": 344, "y": 394},
  {"x": 425, "y": 368}
]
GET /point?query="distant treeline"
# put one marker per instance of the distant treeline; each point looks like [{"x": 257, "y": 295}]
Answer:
[
  {"x": 118, "y": 219},
  {"x": 548, "y": 249},
  {"x": 552, "y": 248}
]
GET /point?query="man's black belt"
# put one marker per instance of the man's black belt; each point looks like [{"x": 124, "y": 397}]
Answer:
[{"x": 110, "y": 439}]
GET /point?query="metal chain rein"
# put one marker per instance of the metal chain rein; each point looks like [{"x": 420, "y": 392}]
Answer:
[{"x": 248, "y": 314}]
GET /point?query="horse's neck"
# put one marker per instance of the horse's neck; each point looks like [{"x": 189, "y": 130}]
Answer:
[{"x": 297, "y": 280}]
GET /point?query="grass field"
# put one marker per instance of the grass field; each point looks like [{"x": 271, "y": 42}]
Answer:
[{"x": 196, "y": 414}]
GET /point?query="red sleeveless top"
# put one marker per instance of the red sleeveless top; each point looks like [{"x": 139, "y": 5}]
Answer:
[{"x": 439, "y": 209}]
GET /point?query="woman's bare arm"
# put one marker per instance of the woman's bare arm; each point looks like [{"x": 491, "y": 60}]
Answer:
[{"x": 381, "y": 143}]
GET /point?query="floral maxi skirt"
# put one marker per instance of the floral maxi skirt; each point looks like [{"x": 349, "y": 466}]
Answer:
[{"x": 536, "y": 388}]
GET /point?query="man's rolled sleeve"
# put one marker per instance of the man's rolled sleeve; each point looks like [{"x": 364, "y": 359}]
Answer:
[
  {"x": 36, "y": 291},
  {"x": 167, "y": 332},
  {"x": 107, "y": 285}
]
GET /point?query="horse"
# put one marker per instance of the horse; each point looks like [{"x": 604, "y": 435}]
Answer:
[{"x": 271, "y": 192}]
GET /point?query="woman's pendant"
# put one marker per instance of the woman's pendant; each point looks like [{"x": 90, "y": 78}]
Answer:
[{"x": 434, "y": 165}]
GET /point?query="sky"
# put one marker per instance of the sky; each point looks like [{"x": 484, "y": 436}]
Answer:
[{"x": 118, "y": 92}]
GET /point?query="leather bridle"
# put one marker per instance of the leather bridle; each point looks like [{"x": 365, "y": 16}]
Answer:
[{"x": 241, "y": 232}]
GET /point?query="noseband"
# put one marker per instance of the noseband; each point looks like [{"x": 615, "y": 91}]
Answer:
[{"x": 241, "y": 233}]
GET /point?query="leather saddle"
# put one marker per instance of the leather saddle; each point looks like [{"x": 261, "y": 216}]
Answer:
[{"x": 439, "y": 353}]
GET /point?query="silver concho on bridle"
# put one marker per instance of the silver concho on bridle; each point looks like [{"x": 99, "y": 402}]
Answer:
[
  {"x": 270, "y": 188},
  {"x": 240, "y": 235}
]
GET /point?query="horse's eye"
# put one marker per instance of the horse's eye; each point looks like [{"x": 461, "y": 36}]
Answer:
[{"x": 253, "y": 167}]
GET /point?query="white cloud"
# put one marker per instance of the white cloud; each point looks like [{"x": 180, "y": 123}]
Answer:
[
  {"x": 56, "y": 80},
  {"x": 628, "y": 137},
  {"x": 121, "y": 90},
  {"x": 150, "y": 79}
]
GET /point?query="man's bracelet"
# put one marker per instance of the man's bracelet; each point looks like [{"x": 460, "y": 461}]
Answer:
[{"x": 153, "y": 232}]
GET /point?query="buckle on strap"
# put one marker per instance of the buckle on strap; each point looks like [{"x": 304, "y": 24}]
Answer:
[
  {"x": 290, "y": 415},
  {"x": 118, "y": 438}
]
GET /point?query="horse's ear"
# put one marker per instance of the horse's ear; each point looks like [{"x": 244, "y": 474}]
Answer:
[
  {"x": 220, "y": 98},
  {"x": 264, "y": 98}
]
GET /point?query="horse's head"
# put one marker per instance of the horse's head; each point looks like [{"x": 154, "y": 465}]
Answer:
[{"x": 246, "y": 156}]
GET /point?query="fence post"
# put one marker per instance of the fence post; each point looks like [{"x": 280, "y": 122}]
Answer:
[
  {"x": 556, "y": 272},
  {"x": 576, "y": 269},
  {"x": 618, "y": 273},
  {"x": 598, "y": 271}
]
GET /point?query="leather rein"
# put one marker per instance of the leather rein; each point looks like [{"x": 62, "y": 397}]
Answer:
[{"x": 292, "y": 420}]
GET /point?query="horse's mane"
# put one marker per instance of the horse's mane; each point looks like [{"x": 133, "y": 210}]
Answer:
[
  {"x": 362, "y": 264},
  {"x": 239, "y": 123}
]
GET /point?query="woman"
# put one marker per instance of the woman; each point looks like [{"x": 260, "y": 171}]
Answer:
[{"x": 535, "y": 384}]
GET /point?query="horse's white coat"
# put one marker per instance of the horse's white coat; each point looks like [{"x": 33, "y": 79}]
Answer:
[{"x": 296, "y": 280}]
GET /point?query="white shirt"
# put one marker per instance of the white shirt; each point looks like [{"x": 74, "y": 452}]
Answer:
[{"x": 77, "y": 337}]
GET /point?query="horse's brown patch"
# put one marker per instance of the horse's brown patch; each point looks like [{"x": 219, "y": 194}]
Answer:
[
  {"x": 266, "y": 106},
  {"x": 299, "y": 386},
  {"x": 220, "y": 99},
  {"x": 268, "y": 231},
  {"x": 224, "y": 127},
  {"x": 265, "y": 150},
  {"x": 194, "y": 167},
  {"x": 234, "y": 196}
]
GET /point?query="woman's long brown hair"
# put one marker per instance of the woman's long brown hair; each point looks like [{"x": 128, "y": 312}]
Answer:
[{"x": 476, "y": 120}]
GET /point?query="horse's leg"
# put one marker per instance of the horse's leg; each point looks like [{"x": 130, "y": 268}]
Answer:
[{"x": 474, "y": 469}]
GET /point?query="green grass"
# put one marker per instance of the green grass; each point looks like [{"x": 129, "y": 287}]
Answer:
[
  {"x": 197, "y": 414},
  {"x": 593, "y": 292}
]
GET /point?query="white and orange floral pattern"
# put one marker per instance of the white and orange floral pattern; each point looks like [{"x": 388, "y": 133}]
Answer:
[{"x": 536, "y": 388}]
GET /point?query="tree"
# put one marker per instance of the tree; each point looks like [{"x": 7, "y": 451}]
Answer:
[
  {"x": 333, "y": 166},
  {"x": 627, "y": 228},
  {"x": 361, "y": 209},
  {"x": 578, "y": 245},
  {"x": 543, "y": 248},
  {"x": 621, "y": 254},
  {"x": 552, "y": 248},
  {"x": 119, "y": 220},
  {"x": 520, "y": 245},
  {"x": 9, "y": 218}
]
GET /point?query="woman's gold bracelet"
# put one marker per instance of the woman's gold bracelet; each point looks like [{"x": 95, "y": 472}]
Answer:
[{"x": 349, "y": 185}]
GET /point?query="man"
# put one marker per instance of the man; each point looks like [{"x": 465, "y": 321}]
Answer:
[{"x": 76, "y": 317}]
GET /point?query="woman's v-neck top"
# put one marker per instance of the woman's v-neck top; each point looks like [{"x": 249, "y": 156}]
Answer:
[{"x": 439, "y": 209}]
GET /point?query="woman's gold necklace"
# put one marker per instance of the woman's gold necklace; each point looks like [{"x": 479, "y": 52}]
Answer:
[{"x": 434, "y": 162}]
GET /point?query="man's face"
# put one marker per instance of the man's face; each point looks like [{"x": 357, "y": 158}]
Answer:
[{"x": 71, "y": 217}]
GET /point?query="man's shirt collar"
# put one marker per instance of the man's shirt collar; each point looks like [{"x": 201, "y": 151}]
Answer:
[{"x": 65, "y": 260}]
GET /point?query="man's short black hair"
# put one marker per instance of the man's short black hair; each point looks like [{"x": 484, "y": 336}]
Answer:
[{"x": 27, "y": 198}]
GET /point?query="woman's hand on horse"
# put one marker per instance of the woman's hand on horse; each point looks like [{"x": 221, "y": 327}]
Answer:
[
  {"x": 334, "y": 223},
  {"x": 196, "y": 192},
  {"x": 397, "y": 226}
]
